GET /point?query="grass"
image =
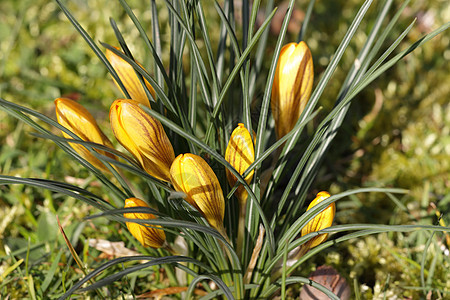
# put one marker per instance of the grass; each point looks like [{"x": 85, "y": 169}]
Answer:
[{"x": 395, "y": 134}]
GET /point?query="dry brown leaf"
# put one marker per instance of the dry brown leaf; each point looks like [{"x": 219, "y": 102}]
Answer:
[
  {"x": 114, "y": 249},
  {"x": 329, "y": 278}
]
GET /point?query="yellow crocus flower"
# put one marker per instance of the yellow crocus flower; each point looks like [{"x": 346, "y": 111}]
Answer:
[
  {"x": 323, "y": 220},
  {"x": 292, "y": 86},
  {"x": 147, "y": 236},
  {"x": 129, "y": 78},
  {"x": 191, "y": 175},
  {"x": 240, "y": 153},
  {"x": 77, "y": 119},
  {"x": 143, "y": 136}
]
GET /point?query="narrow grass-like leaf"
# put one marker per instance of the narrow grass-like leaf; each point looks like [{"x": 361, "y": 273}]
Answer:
[
  {"x": 356, "y": 289},
  {"x": 217, "y": 108},
  {"x": 231, "y": 33},
  {"x": 181, "y": 96},
  {"x": 378, "y": 71},
  {"x": 260, "y": 53},
  {"x": 10, "y": 269},
  {"x": 164, "y": 222},
  {"x": 364, "y": 230},
  {"x": 360, "y": 230},
  {"x": 176, "y": 260},
  {"x": 240, "y": 62},
  {"x": 93, "y": 46},
  {"x": 228, "y": 8},
  {"x": 423, "y": 261},
  {"x": 296, "y": 226},
  {"x": 216, "y": 293},
  {"x": 58, "y": 187},
  {"x": 270, "y": 77},
  {"x": 167, "y": 222},
  {"x": 210, "y": 277},
  {"x": 311, "y": 146},
  {"x": 237, "y": 52},
  {"x": 245, "y": 22},
  {"x": 246, "y": 103},
  {"x": 305, "y": 23},
  {"x": 296, "y": 279},
  {"x": 99, "y": 156},
  {"x": 155, "y": 51},
  {"x": 192, "y": 114},
  {"x": 237, "y": 67},
  {"x": 336, "y": 117},
  {"x": 369, "y": 49},
  {"x": 397, "y": 202},
  {"x": 89, "y": 144},
  {"x": 252, "y": 23},
  {"x": 209, "y": 51},
  {"x": 127, "y": 52},
  {"x": 75, "y": 256},
  {"x": 202, "y": 73}
]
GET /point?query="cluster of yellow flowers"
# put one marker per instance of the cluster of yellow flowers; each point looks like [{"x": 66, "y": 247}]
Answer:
[{"x": 144, "y": 137}]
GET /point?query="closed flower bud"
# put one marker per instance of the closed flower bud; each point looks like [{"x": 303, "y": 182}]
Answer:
[
  {"x": 147, "y": 236},
  {"x": 323, "y": 220},
  {"x": 240, "y": 153},
  {"x": 292, "y": 86},
  {"x": 77, "y": 119},
  {"x": 129, "y": 78},
  {"x": 191, "y": 175},
  {"x": 143, "y": 136}
]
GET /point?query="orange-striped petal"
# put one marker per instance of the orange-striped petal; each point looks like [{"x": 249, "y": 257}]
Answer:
[
  {"x": 292, "y": 86},
  {"x": 129, "y": 78},
  {"x": 143, "y": 136},
  {"x": 240, "y": 153},
  {"x": 191, "y": 175},
  {"x": 321, "y": 221},
  {"x": 77, "y": 119},
  {"x": 147, "y": 236}
]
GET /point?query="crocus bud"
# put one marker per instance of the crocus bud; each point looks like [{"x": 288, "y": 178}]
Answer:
[
  {"x": 323, "y": 220},
  {"x": 191, "y": 175},
  {"x": 129, "y": 78},
  {"x": 147, "y": 236},
  {"x": 240, "y": 153},
  {"x": 143, "y": 136},
  {"x": 292, "y": 86},
  {"x": 77, "y": 119}
]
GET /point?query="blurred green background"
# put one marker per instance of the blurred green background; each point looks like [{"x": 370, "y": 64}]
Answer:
[{"x": 397, "y": 133}]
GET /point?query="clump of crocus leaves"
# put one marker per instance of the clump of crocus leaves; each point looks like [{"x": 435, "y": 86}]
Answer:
[{"x": 206, "y": 191}]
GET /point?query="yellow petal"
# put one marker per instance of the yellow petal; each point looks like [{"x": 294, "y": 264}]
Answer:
[
  {"x": 323, "y": 220},
  {"x": 240, "y": 153},
  {"x": 77, "y": 119},
  {"x": 292, "y": 86},
  {"x": 147, "y": 236},
  {"x": 129, "y": 78},
  {"x": 192, "y": 175},
  {"x": 143, "y": 136}
]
